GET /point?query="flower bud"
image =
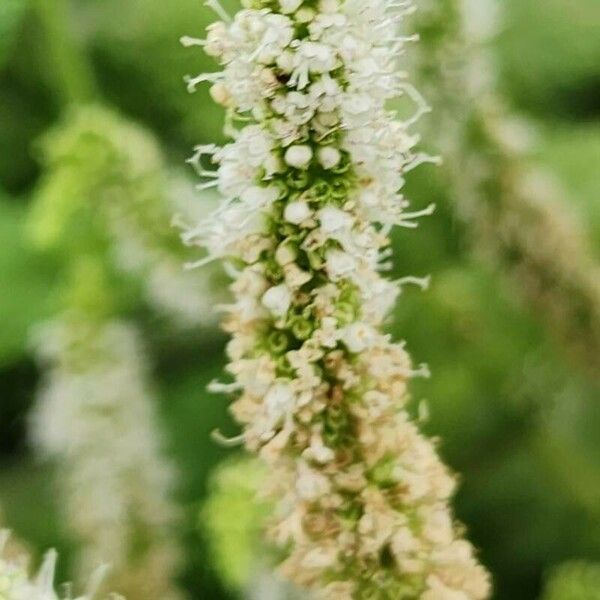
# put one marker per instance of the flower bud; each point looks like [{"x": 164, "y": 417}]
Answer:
[
  {"x": 289, "y": 6},
  {"x": 220, "y": 94},
  {"x": 285, "y": 254},
  {"x": 299, "y": 157},
  {"x": 277, "y": 300},
  {"x": 329, "y": 157},
  {"x": 297, "y": 212}
]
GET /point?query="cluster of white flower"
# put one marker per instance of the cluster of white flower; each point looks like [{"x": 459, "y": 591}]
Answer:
[
  {"x": 95, "y": 416},
  {"x": 311, "y": 187},
  {"x": 16, "y": 584},
  {"x": 119, "y": 190}
]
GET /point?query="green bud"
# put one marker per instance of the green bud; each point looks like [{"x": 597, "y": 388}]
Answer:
[
  {"x": 273, "y": 270},
  {"x": 298, "y": 179},
  {"x": 302, "y": 328},
  {"x": 320, "y": 191},
  {"x": 344, "y": 313},
  {"x": 382, "y": 472},
  {"x": 315, "y": 260},
  {"x": 277, "y": 342},
  {"x": 339, "y": 189},
  {"x": 286, "y": 253}
]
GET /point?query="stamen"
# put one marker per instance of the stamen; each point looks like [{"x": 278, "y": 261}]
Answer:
[
  {"x": 216, "y": 387},
  {"x": 421, "y": 159},
  {"x": 200, "y": 263},
  {"x": 422, "y": 107},
  {"x": 96, "y": 580},
  {"x": 233, "y": 442},
  {"x": 189, "y": 41},
  {"x": 423, "y": 371},
  {"x": 195, "y": 160},
  {"x": 422, "y": 282},
  {"x": 193, "y": 82},
  {"x": 219, "y": 10},
  {"x": 45, "y": 578},
  {"x": 205, "y": 186},
  {"x": 407, "y": 218}
]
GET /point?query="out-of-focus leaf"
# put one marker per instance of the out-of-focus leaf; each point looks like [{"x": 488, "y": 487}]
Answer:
[
  {"x": 29, "y": 510},
  {"x": 572, "y": 154},
  {"x": 190, "y": 414},
  {"x": 550, "y": 53},
  {"x": 27, "y": 283},
  {"x": 575, "y": 580},
  {"x": 233, "y": 518},
  {"x": 492, "y": 370},
  {"x": 141, "y": 64},
  {"x": 11, "y": 12}
]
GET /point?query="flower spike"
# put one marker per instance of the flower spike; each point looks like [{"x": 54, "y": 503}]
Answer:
[{"x": 311, "y": 187}]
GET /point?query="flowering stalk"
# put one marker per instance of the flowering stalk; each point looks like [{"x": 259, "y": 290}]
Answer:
[
  {"x": 311, "y": 188},
  {"x": 16, "y": 583},
  {"x": 515, "y": 212},
  {"x": 95, "y": 416}
]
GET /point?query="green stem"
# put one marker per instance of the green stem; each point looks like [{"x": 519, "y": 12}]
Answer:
[{"x": 72, "y": 74}]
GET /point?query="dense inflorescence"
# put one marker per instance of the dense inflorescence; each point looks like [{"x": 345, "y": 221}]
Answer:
[
  {"x": 95, "y": 416},
  {"x": 312, "y": 186}
]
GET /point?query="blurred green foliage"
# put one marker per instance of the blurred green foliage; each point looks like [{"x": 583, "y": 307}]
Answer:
[
  {"x": 574, "y": 581},
  {"x": 27, "y": 283},
  {"x": 234, "y": 517},
  {"x": 550, "y": 53},
  {"x": 518, "y": 421},
  {"x": 571, "y": 150},
  {"x": 11, "y": 13}
]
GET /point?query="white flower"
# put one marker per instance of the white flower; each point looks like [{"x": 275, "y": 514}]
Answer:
[
  {"x": 279, "y": 400},
  {"x": 285, "y": 254},
  {"x": 358, "y": 337},
  {"x": 297, "y": 108},
  {"x": 437, "y": 525},
  {"x": 334, "y": 219},
  {"x": 437, "y": 590},
  {"x": 321, "y": 558},
  {"x": 311, "y": 58},
  {"x": 310, "y": 484},
  {"x": 295, "y": 277},
  {"x": 340, "y": 264},
  {"x": 258, "y": 197},
  {"x": 318, "y": 451},
  {"x": 239, "y": 163},
  {"x": 277, "y": 300}
]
